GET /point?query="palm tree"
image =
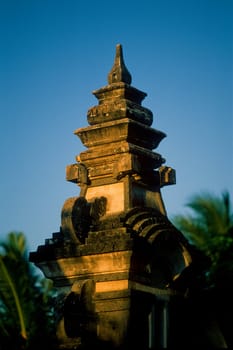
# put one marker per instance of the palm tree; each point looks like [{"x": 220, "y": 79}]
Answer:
[
  {"x": 25, "y": 312},
  {"x": 210, "y": 228}
]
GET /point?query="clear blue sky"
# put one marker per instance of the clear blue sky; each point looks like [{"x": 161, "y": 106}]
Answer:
[{"x": 54, "y": 53}]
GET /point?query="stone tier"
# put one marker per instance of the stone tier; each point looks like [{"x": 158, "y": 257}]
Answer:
[
  {"x": 120, "y": 130},
  {"x": 118, "y": 109},
  {"x": 117, "y": 158}
]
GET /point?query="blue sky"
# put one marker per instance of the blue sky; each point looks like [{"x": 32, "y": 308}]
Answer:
[{"x": 55, "y": 53}]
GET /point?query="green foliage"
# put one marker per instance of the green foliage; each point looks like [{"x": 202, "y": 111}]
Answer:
[
  {"x": 25, "y": 299},
  {"x": 210, "y": 228}
]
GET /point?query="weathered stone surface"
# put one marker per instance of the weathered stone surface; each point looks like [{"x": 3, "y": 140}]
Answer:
[
  {"x": 118, "y": 109},
  {"x": 118, "y": 91},
  {"x": 117, "y": 255},
  {"x": 119, "y": 72},
  {"x": 124, "y": 129}
]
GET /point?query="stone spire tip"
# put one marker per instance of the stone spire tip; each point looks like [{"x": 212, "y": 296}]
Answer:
[{"x": 119, "y": 72}]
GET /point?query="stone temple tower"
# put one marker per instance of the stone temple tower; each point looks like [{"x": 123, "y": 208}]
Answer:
[{"x": 117, "y": 262}]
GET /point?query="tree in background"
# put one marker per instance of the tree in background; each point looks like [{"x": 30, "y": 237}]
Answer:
[
  {"x": 209, "y": 227},
  {"x": 26, "y": 320}
]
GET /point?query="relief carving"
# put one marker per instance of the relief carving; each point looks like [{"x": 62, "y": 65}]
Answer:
[
  {"x": 79, "y": 315},
  {"x": 78, "y": 215}
]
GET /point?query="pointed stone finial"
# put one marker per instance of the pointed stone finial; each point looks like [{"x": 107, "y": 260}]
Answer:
[{"x": 119, "y": 72}]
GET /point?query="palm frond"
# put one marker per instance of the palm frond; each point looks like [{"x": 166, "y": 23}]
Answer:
[
  {"x": 15, "y": 245},
  {"x": 191, "y": 228},
  {"x": 209, "y": 226},
  {"x": 212, "y": 211},
  {"x": 7, "y": 285}
]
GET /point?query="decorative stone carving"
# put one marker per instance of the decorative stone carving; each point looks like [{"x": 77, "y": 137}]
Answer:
[
  {"x": 117, "y": 258},
  {"x": 80, "y": 318},
  {"x": 119, "y": 72},
  {"x": 78, "y": 215},
  {"x": 167, "y": 176}
]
